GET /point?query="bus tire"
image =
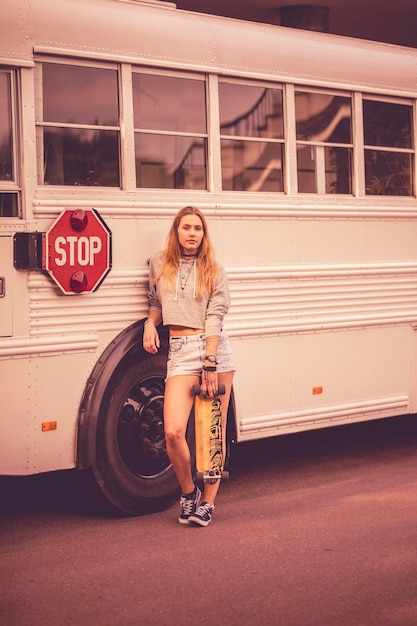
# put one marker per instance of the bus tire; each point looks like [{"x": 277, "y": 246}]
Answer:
[{"x": 132, "y": 467}]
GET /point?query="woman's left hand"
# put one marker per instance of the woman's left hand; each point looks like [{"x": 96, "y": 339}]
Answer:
[{"x": 209, "y": 383}]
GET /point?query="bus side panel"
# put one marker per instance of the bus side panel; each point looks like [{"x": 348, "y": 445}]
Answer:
[
  {"x": 323, "y": 379},
  {"x": 6, "y": 287},
  {"x": 40, "y": 404},
  {"x": 17, "y": 427},
  {"x": 323, "y": 327}
]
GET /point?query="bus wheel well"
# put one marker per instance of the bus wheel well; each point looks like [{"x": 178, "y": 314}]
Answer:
[{"x": 120, "y": 354}]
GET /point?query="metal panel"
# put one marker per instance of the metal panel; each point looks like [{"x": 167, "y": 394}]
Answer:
[
  {"x": 6, "y": 286},
  {"x": 143, "y": 33}
]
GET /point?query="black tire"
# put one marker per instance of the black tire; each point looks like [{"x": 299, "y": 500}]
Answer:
[{"x": 132, "y": 467}]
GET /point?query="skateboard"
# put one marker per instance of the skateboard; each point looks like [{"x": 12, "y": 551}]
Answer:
[{"x": 209, "y": 436}]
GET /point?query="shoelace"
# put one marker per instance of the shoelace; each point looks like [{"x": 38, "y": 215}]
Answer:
[
  {"x": 204, "y": 509},
  {"x": 187, "y": 505}
]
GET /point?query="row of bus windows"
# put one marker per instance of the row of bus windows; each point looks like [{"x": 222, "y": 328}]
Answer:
[{"x": 79, "y": 135}]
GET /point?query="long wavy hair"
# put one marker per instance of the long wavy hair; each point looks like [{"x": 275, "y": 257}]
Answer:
[{"x": 206, "y": 265}]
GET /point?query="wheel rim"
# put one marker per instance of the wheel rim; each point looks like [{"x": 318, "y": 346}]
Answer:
[{"x": 140, "y": 429}]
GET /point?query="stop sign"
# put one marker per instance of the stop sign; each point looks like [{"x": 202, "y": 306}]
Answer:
[{"x": 78, "y": 251}]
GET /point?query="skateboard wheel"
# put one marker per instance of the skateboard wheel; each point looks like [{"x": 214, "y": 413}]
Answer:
[
  {"x": 196, "y": 390},
  {"x": 225, "y": 477},
  {"x": 199, "y": 477}
]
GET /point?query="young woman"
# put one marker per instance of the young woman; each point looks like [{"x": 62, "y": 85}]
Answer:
[{"x": 189, "y": 293}]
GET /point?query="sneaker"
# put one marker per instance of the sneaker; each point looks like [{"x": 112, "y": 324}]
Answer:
[
  {"x": 202, "y": 515},
  {"x": 188, "y": 505}
]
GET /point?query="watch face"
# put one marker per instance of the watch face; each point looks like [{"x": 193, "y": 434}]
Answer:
[{"x": 211, "y": 358}]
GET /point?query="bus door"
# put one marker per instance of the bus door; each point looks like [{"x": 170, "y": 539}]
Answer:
[{"x": 6, "y": 277}]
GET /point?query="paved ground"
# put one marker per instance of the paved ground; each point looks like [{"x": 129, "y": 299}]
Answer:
[{"x": 315, "y": 529}]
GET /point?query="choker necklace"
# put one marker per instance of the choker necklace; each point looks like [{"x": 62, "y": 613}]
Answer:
[{"x": 188, "y": 255}]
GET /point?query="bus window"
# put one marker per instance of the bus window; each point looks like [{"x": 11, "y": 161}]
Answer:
[
  {"x": 324, "y": 142},
  {"x": 8, "y": 197},
  {"x": 79, "y": 126},
  {"x": 388, "y": 148},
  {"x": 252, "y": 137},
  {"x": 170, "y": 131}
]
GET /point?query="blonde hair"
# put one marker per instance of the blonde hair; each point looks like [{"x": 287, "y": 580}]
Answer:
[{"x": 206, "y": 265}]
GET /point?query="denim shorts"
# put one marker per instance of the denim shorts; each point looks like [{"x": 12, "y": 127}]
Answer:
[{"x": 186, "y": 355}]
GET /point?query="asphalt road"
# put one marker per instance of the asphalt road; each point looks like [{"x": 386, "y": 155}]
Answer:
[{"x": 314, "y": 529}]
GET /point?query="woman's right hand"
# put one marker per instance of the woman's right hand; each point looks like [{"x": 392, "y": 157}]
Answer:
[{"x": 151, "y": 342}]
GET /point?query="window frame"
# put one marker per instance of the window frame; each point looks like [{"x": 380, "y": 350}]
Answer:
[
  {"x": 320, "y": 146},
  {"x": 41, "y": 124},
  {"x": 205, "y": 137},
  {"x": 392, "y": 149},
  {"x": 282, "y": 141},
  {"x": 13, "y": 186}
]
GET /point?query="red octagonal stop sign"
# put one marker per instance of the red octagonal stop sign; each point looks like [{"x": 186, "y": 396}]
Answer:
[{"x": 78, "y": 251}]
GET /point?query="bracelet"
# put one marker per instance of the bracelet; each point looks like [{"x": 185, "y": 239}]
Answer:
[
  {"x": 149, "y": 320},
  {"x": 211, "y": 368}
]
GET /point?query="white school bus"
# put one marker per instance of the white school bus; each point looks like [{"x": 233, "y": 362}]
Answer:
[{"x": 299, "y": 147}]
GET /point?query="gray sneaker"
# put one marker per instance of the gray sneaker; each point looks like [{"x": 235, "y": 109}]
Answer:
[
  {"x": 188, "y": 506},
  {"x": 202, "y": 515}
]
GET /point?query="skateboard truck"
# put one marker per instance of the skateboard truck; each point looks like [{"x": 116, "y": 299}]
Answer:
[{"x": 208, "y": 435}]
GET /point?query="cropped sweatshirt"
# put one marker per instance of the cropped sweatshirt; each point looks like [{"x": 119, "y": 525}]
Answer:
[{"x": 180, "y": 306}]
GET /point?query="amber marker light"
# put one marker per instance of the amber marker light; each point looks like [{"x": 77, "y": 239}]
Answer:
[{"x": 49, "y": 426}]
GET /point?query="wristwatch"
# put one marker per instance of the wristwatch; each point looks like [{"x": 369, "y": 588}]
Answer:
[{"x": 211, "y": 358}]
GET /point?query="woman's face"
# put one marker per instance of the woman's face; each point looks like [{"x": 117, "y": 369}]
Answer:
[{"x": 190, "y": 234}]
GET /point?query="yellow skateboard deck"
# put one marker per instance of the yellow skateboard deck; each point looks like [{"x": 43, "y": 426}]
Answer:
[{"x": 209, "y": 436}]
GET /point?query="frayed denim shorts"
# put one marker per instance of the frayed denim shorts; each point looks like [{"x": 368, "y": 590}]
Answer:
[{"x": 186, "y": 355}]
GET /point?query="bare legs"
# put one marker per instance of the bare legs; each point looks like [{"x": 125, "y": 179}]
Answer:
[{"x": 177, "y": 407}]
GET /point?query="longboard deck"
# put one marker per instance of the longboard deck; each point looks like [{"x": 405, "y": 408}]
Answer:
[{"x": 208, "y": 436}]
